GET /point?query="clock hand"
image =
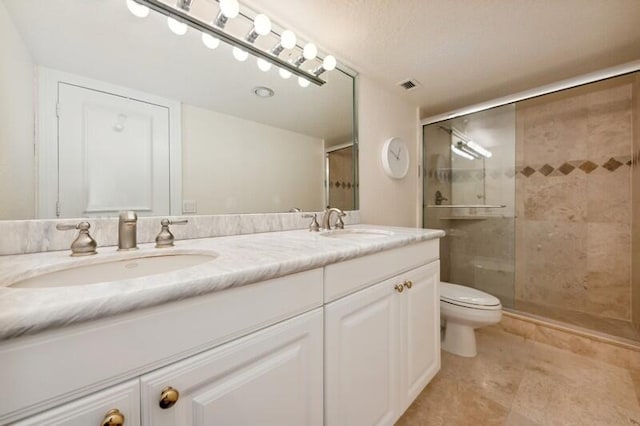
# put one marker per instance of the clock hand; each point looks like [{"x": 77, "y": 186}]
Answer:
[{"x": 395, "y": 155}]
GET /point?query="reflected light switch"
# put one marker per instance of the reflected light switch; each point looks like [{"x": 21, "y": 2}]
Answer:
[{"x": 189, "y": 206}]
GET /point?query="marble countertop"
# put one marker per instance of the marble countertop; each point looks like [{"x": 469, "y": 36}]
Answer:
[{"x": 240, "y": 260}]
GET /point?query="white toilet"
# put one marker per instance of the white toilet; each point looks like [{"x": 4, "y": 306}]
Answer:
[{"x": 463, "y": 309}]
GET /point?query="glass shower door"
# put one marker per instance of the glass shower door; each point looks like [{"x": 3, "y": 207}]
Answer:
[{"x": 469, "y": 192}]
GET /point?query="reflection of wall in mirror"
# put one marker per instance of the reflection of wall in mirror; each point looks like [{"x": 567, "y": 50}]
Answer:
[
  {"x": 16, "y": 123},
  {"x": 232, "y": 165},
  {"x": 341, "y": 184}
]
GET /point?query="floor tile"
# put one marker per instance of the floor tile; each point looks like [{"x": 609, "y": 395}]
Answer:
[{"x": 520, "y": 382}]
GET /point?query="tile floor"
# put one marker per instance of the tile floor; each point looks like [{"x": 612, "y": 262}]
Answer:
[{"x": 519, "y": 382}]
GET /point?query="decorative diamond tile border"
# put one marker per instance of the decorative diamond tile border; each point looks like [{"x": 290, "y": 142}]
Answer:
[
  {"x": 546, "y": 170},
  {"x": 612, "y": 164},
  {"x": 586, "y": 166},
  {"x": 566, "y": 168}
]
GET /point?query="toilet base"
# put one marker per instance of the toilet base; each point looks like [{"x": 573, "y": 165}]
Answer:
[{"x": 459, "y": 340}]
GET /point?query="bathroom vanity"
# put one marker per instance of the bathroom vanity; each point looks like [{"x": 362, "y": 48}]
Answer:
[{"x": 293, "y": 327}]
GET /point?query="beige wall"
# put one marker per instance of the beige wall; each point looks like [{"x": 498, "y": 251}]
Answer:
[
  {"x": 232, "y": 165},
  {"x": 382, "y": 115},
  {"x": 16, "y": 124}
]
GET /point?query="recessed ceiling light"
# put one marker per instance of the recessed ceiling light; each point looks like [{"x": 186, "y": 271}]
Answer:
[{"x": 263, "y": 92}]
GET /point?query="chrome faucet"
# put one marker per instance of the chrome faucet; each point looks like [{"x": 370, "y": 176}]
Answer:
[
  {"x": 440, "y": 198},
  {"x": 326, "y": 218},
  {"x": 128, "y": 231}
]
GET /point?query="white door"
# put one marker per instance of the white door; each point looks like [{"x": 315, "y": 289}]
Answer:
[
  {"x": 270, "y": 378},
  {"x": 93, "y": 409},
  {"x": 113, "y": 154},
  {"x": 361, "y": 357},
  {"x": 420, "y": 325}
]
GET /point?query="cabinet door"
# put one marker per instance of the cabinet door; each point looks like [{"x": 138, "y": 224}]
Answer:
[
  {"x": 270, "y": 377},
  {"x": 361, "y": 357},
  {"x": 420, "y": 325},
  {"x": 92, "y": 410}
]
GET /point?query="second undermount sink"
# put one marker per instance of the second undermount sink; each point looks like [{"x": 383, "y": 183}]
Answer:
[
  {"x": 114, "y": 270},
  {"x": 357, "y": 234}
]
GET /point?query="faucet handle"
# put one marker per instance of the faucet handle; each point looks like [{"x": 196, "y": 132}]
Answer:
[
  {"x": 84, "y": 244},
  {"x": 314, "y": 226},
  {"x": 165, "y": 238},
  {"x": 340, "y": 223}
]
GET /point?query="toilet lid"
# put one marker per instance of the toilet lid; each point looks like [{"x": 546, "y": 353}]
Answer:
[{"x": 467, "y": 296}]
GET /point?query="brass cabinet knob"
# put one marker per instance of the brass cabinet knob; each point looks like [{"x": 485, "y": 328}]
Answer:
[
  {"x": 168, "y": 397},
  {"x": 399, "y": 288},
  {"x": 408, "y": 284},
  {"x": 113, "y": 418}
]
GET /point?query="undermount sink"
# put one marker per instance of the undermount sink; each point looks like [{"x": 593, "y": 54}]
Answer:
[
  {"x": 357, "y": 234},
  {"x": 114, "y": 270}
]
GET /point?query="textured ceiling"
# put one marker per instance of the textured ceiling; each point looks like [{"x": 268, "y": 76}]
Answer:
[{"x": 467, "y": 51}]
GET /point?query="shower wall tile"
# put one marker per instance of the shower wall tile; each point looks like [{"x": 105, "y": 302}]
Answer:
[
  {"x": 556, "y": 129},
  {"x": 635, "y": 196},
  {"x": 609, "y": 122},
  {"x": 556, "y": 198},
  {"x": 574, "y": 210},
  {"x": 609, "y": 270},
  {"x": 608, "y": 195},
  {"x": 555, "y": 265}
]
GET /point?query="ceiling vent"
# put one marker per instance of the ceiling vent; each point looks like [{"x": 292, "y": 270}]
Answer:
[{"x": 409, "y": 84}]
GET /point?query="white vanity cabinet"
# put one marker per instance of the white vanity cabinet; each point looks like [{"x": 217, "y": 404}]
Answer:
[
  {"x": 382, "y": 345},
  {"x": 271, "y": 377},
  {"x": 349, "y": 344},
  {"x": 120, "y": 402}
]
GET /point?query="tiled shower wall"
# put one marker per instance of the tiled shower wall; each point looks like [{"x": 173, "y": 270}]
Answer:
[
  {"x": 573, "y": 200},
  {"x": 635, "y": 208},
  {"x": 341, "y": 182}
]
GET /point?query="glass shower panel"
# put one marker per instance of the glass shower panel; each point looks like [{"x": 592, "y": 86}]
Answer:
[{"x": 469, "y": 191}]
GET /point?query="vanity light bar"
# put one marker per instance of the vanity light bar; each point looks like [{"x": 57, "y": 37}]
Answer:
[
  {"x": 183, "y": 16},
  {"x": 470, "y": 147}
]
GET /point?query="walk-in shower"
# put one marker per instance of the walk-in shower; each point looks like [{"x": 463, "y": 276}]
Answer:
[{"x": 540, "y": 200}]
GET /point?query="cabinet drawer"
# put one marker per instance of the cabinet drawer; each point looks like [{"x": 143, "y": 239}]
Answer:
[
  {"x": 52, "y": 368},
  {"x": 91, "y": 410},
  {"x": 347, "y": 277},
  {"x": 270, "y": 378}
]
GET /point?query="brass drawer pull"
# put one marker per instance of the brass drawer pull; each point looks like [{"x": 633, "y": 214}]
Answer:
[
  {"x": 399, "y": 288},
  {"x": 168, "y": 397},
  {"x": 408, "y": 284},
  {"x": 113, "y": 418}
]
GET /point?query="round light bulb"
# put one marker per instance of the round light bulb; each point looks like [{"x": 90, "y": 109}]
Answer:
[
  {"x": 303, "y": 82},
  {"x": 284, "y": 73},
  {"x": 262, "y": 24},
  {"x": 210, "y": 41},
  {"x": 310, "y": 51},
  {"x": 329, "y": 63},
  {"x": 137, "y": 9},
  {"x": 229, "y": 8},
  {"x": 288, "y": 39},
  {"x": 239, "y": 54},
  {"x": 176, "y": 27},
  {"x": 264, "y": 65}
]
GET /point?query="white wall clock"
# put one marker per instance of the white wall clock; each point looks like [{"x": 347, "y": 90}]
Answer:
[{"x": 395, "y": 158}]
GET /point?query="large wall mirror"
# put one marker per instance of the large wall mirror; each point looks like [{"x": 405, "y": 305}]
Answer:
[{"x": 101, "y": 111}]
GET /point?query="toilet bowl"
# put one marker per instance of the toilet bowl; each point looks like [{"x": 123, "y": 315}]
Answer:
[{"x": 463, "y": 309}]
